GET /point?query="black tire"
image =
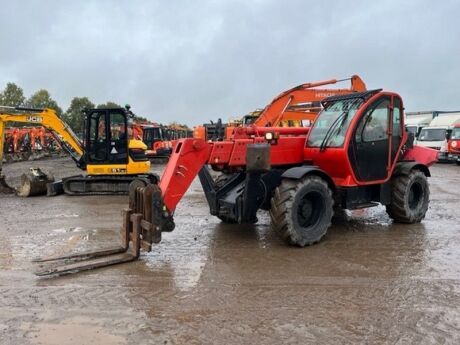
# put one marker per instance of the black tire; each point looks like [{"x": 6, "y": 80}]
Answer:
[
  {"x": 410, "y": 196},
  {"x": 301, "y": 211},
  {"x": 457, "y": 162}
]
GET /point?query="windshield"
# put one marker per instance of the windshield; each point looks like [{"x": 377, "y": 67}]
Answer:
[
  {"x": 455, "y": 133},
  {"x": 152, "y": 135},
  {"x": 432, "y": 134},
  {"x": 333, "y": 122},
  {"x": 249, "y": 119}
]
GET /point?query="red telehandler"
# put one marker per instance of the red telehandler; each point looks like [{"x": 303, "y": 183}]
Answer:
[{"x": 357, "y": 154}]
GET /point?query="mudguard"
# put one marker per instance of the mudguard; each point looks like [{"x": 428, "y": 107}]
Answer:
[
  {"x": 421, "y": 155},
  {"x": 404, "y": 168},
  {"x": 298, "y": 173}
]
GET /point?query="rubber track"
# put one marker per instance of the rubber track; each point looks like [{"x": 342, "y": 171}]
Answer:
[{"x": 109, "y": 180}]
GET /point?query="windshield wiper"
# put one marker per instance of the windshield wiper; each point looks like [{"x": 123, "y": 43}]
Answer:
[{"x": 328, "y": 135}]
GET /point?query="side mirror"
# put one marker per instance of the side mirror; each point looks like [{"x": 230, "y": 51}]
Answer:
[
  {"x": 410, "y": 140},
  {"x": 448, "y": 134}
]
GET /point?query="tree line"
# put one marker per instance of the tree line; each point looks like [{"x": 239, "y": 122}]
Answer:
[{"x": 13, "y": 95}]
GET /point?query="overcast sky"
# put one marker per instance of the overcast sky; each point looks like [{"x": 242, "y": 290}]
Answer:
[{"x": 192, "y": 61}]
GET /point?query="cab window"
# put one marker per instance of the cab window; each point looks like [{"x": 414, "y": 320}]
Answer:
[{"x": 374, "y": 124}]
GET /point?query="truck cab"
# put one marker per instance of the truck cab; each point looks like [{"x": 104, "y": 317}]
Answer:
[
  {"x": 416, "y": 121},
  {"x": 453, "y": 144},
  {"x": 434, "y": 135}
]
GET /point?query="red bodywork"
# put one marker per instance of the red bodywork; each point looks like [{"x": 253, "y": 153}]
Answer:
[
  {"x": 29, "y": 139},
  {"x": 154, "y": 147},
  {"x": 453, "y": 144},
  {"x": 288, "y": 148}
]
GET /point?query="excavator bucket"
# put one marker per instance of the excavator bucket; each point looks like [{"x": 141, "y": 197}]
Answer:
[
  {"x": 34, "y": 183},
  {"x": 4, "y": 188},
  {"x": 143, "y": 222}
]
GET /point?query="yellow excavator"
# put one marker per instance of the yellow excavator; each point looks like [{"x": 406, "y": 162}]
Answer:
[{"x": 110, "y": 157}]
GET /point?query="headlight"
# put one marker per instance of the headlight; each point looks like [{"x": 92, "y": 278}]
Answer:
[
  {"x": 269, "y": 136},
  {"x": 454, "y": 144}
]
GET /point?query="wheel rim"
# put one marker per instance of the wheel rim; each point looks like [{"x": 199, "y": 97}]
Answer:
[
  {"x": 310, "y": 208},
  {"x": 415, "y": 195}
]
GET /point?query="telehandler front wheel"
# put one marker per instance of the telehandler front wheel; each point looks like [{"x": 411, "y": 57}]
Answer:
[
  {"x": 301, "y": 210},
  {"x": 410, "y": 196}
]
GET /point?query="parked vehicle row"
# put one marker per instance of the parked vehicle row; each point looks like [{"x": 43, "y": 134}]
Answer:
[{"x": 434, "y": 129}]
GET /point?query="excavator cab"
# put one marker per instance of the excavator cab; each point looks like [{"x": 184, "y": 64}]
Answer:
[
  {"x": 109, "y": 148},
  {"x": 106, "y": 139}
]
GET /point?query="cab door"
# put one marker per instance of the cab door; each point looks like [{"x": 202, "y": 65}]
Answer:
[
  {"x": 370, "y": 145},
  {"x": 96, "y": 137}
]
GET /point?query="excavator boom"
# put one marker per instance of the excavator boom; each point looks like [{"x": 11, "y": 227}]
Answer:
[
  {"x": 302, "y": 102},
  {"x": 295, "y": 107}
]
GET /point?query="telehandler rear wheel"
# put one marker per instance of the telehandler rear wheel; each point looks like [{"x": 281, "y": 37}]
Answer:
[
  {"x": 410, "y": 196},
  {"x": 301, "y": 211}
]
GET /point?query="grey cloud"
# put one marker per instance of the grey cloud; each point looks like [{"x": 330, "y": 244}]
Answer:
[{"x": 193, "y": 61}]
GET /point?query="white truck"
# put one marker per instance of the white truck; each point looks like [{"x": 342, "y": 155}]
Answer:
[
  {"x": 415, "y": 121},
  {"x": 434, "y": 135}
]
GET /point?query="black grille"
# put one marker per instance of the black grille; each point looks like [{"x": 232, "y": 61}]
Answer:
[{"x": 363, "y": 95}]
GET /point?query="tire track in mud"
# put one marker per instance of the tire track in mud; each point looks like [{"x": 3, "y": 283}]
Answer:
[{"x": 324, "y": 291}]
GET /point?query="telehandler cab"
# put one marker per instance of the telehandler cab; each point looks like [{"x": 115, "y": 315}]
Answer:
[{"x": 357, "y": 154}]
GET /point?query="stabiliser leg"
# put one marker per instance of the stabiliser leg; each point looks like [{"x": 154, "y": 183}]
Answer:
[{"x": 142, "y": 226}]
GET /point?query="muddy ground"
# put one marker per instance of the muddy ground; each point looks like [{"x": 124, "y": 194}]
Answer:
[{"x": 369, "y": 281}]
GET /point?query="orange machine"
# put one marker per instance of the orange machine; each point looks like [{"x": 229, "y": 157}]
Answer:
[
  {"x": 21, "y": 143},
  {"x": 155, "y": 137},
  {"x": 303, "y": 102},
  {"x": 296, "y": 107}
]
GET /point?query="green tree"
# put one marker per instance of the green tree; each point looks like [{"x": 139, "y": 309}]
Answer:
[
  {"x": 140, "y": 119},
  {"x": 109, "y": 105},
  {"x": 42, "y": 99},
  {"x": 12, "y": 95},
  {"x": 74, "y": 115},
  {"x": 177, "y": 124}
]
